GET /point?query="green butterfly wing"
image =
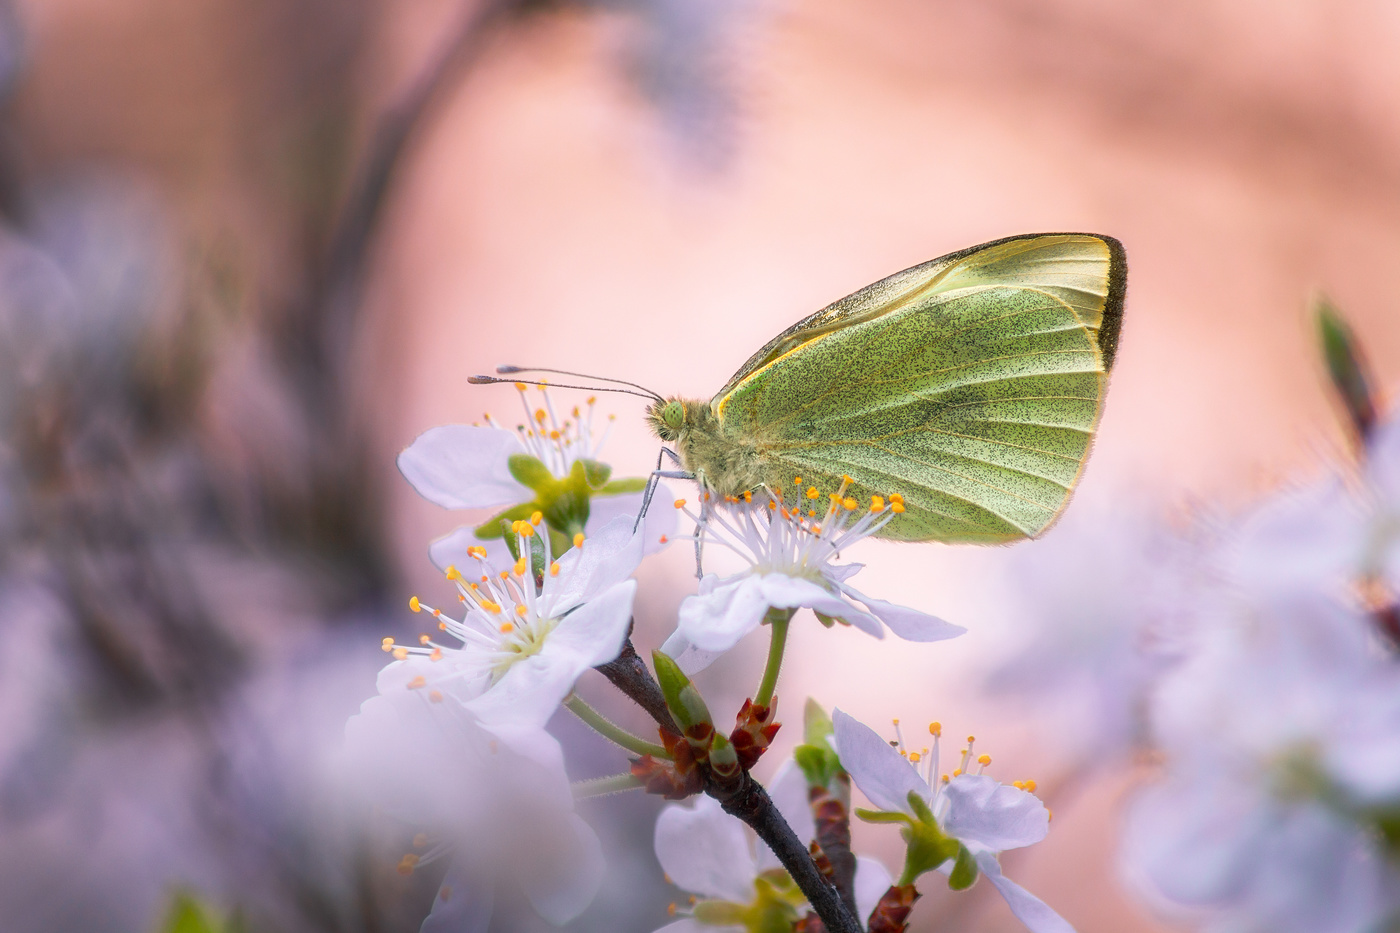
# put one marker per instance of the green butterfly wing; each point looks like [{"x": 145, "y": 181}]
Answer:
[{"x": 972, "y": 385}]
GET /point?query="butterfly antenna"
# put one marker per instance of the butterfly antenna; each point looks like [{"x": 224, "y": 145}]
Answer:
[
  {"x": 491, "y": 380},
  {"x": 565, "y": 372}
]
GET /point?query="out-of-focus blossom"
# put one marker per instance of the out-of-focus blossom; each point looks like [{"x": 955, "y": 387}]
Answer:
[
  {"x": 792, "y": 553},
  {"x": 521, "y": 646},
  {"x": 1281, "y": 737},
  {"x": 496, "y": 800},
  {"x": 983, "y": 816},
  {"x": 548, "y": 464},
  {"x": 709, "y": 853},
  {"x": 1098, "y": 611}
]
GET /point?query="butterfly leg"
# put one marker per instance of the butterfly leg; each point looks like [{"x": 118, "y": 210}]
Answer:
[{"x": 654, "y": 480}]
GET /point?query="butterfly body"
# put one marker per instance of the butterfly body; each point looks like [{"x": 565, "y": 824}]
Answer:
[{"x": 971, "y": 385}]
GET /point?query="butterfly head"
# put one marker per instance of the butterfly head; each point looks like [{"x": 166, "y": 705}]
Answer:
[{"x": 668, "y": 418}]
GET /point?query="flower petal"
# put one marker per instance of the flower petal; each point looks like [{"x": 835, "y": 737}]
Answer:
[
  {"x": 606, "y": 557},
  {"x": 787, "y": 592},
  {"x": 993, "y": 816},
  {"x": 878, "y": 770},
  {"x": 532, "y": 689},
  {"x": 660, "y": 521},
  {"x": 464, "y": 900},
  {"x": 460, "y": 466},
  {"x": 705, "y": 851},
  {"x": 909, "y": 624},
  {"x": 562, "y": 878},
  {"x": 717, "y": 619},
  {"x": 872, "y": 881},
  {"x": 1028, "y": 908},
  {"x": 690, "y": 658}
]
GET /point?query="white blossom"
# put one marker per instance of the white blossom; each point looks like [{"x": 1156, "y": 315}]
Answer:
[
  {"x": 985, "y": 816},
  {"x": 520, "y": 646},
  {"x": 792, "y": 551}
]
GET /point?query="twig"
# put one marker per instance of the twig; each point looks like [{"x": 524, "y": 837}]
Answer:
[{"x": 748, "y": 801}]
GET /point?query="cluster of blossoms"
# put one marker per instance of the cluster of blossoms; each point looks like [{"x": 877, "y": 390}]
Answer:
[
  {"x": 456, "y": 739},
  {"x": 1257, "y": 658}
]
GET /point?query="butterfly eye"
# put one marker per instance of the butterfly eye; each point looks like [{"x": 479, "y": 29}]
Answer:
[{"x": 673, "y": 414}]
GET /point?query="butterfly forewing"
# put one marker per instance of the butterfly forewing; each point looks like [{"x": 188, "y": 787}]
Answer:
[{"x": 973, "y": 390}]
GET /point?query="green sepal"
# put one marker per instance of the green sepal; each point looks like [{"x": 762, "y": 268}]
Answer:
[
  {"x": 921, "y": 808},
  {"x": 719, "y": 913},
  {"x": 497, "y": 525},
  {"x": 882, "y": 816},
  {"x": 595, "y": 473},
  {"x": 927, "y": 848},
  {"x": 530, "y": 472},
  {"x": 619, "y": 486},
  {"x": 682, "y": 699},
  {"x": 964, "y": 873},
  {"x": 825, "y": 619}
]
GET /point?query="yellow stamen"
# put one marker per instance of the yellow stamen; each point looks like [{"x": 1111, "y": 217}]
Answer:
[
  {"x": 520, "y": 566},
  {"x": 897, "y": 508},
  {"x": 507, "y": 628},
  {"x": 400, "y": 654},
  {"x": 435, "y": 696},
  {"x": 984, "y": 760},
  {"x": 849, "y": 503},
  {"x": 407, "y": 864},
  {"x": 812, "y": 492},
  {"x": 914, "y": 757},
  {"x": 436, "y": 655},
  {"x": 536, "y": 517},
  {"x": 387, "y": 644},
  {"x": 578, "y": 539},
  {"x": 423, "y": 639},
  {"x": 520, "y": 386},
  {"x": 419, "y": 681},
  {"x": 414, "y": 604},
  {"x": 554, "y": 569},
  {"x": 540, "y": 415},
  {"x": 453, "y": 573},
  {"x": 680, "y": 503},
  {"x": 935, "y": 728}
]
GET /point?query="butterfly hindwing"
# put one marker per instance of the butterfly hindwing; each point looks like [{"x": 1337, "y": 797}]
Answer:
[{"x": 971, "y": 385}]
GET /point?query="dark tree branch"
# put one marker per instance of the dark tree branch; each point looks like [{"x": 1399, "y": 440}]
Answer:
[
  {"x": 747, "y": 800},
  {"x": 832, "y": 815}
]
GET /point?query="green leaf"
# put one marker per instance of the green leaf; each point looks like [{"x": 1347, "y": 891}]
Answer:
[
  {"x": 816, "y": 724},
  {"x": 964, "y": 870},
  {"x": 1347, "y": 367},
  {"x": 530, "y": 472},
  {"x": 824, "y": 619},
  {"x": 595, "y": 473},
  {"x": 187, "y": 915},
  {"x": 682, "y": 699},
  {"x": 819, "y": 765}
]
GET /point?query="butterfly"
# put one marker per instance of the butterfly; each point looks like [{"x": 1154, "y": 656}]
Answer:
[{"x": 970, "y": 385}]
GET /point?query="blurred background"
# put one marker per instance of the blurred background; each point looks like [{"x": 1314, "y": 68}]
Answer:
[{"x": 249, "y": 249}]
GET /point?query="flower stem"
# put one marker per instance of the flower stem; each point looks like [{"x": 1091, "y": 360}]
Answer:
[
  {"x": 598, "y": 787},
  {"x": 612, "y": 731},
  {"x": 778, "y": 619}
]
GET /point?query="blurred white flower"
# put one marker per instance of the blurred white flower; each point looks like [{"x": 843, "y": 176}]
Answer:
[
  {"x": 522, "y": 644},
  {"x": 792, "y": 551},
  {"x": 983, "y": 815},
  {"x": 460, "y": 466},
  {"x": 498, "y": 805},
  {"x": 1098, "y": 611},
  {"x": 707, "y": 852},
  {"x": 1281, "y": 737}
]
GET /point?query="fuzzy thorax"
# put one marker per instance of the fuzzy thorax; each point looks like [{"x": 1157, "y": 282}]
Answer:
[{"x": 728, "y": 464}]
